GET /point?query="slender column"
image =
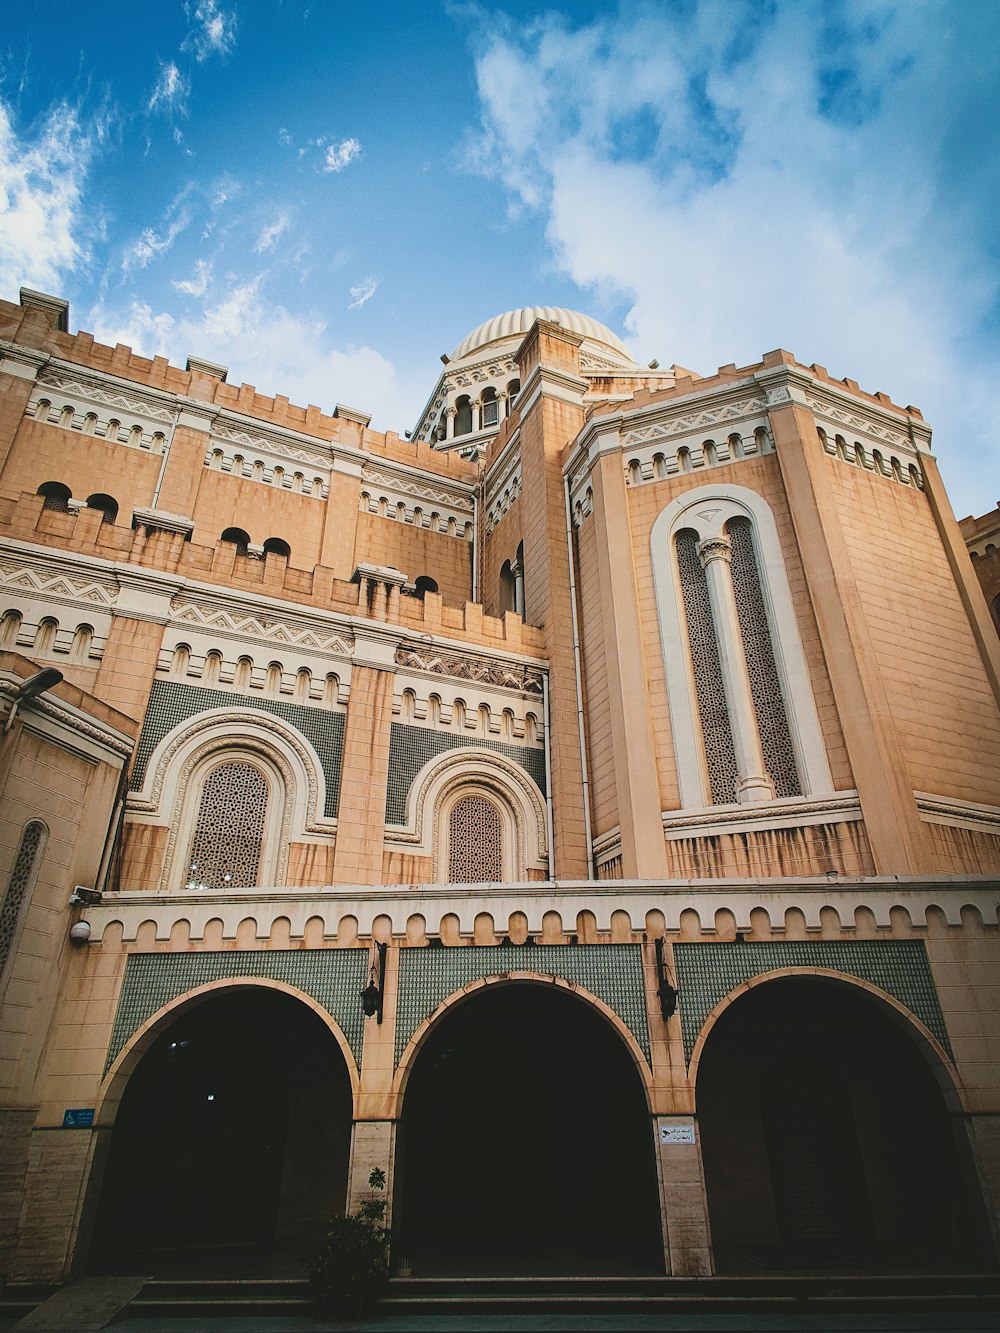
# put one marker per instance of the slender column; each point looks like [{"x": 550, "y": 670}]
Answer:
[
  {"x": 450, "y": 413},
  {"x": 753, "y": 781},
  {"x": 517, "y": 569}
]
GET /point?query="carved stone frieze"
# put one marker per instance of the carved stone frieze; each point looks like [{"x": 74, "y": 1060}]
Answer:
[
  {"x": 273, "y": 444},
  {"x": 30, "y": 579},
  {"x": 419, "y": 490},
  {"x": 485, "y": 671},
  {"x": 859, "y": 421},
  {"x": 257, "y": 625},
  {"x": 76, "y": 384},
  {"x": 690, "y": 421}
]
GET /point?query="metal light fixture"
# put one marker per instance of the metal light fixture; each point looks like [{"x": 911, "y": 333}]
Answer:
[
  {"x": 665, "y": 990},
  {"x": 372, "y": 995},
  {"x": 31, "y": 688}
]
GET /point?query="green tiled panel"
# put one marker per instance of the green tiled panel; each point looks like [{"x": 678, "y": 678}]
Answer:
[
  {"x": 612, "y": 972},
  {"x": 706, "y": 973},
  {"x": 334, "y": 978},
  {"x": 172, "y": 702},
  {"x": 411, "y": 747}
]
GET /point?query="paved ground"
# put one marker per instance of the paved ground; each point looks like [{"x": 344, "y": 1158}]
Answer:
[{"x": 675, "y": 1323}]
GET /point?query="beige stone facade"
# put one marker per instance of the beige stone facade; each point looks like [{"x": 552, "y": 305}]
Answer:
[{"x": 659, "y": 744}]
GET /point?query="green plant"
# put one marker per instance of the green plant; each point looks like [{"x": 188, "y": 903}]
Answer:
[{"x": 352, "y": 1264}]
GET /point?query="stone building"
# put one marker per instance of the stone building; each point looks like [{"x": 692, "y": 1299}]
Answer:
[{"x": 642, "y": 767}]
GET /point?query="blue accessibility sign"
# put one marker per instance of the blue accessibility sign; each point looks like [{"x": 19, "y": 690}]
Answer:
[{"x": 81, "y": 1118}]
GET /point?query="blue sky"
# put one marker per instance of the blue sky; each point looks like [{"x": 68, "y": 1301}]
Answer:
[{"x": 325, "y": 196}]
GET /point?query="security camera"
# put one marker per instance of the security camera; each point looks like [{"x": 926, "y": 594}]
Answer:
[{"x": 81, "y": 894}]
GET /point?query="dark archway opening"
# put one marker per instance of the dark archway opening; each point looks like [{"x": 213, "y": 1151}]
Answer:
[
  {"x": 526, "y": 1144},
  {"x": 230, "y": 1149},
  {"x": 826, "y": 1141}
]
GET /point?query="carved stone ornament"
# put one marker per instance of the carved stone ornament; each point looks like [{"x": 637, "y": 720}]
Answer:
[
  {"x": 507, "y": 675},
  {"x": 257, "y": 625},
  {"x": 692, "y": 421},
  {"x": 77, "y": 384},
  {"x": 32, "y": 579},
  {"x": 274, "y": 444},
  {"x": 420, "y": 490}
]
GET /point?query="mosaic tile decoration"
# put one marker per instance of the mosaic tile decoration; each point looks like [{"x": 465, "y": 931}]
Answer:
[
  {"x": 172, "y": 702},
  {"x": 334, "y": 978},
  {"x": 706, "y": 973},
  {"x": 612, "y": 972},
  {"x": 411, "y": 747}
]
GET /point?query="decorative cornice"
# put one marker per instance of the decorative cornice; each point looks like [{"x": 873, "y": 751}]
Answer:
[
  {"x": 959, "y": 814},
  {"x": 482, "y": 670},
  {"x": 159, "y": 520},
  {"x": 838, "y": 807},
  {"x": 67, "y": 717}
]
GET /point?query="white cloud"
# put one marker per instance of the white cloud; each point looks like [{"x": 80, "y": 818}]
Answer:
[
  {"x": 340, "y": 155},
  {"x": 149, "y": 244},
  {"x": 270, "y": 234},
  {"x": 170, "y": 92},
  {"x": 363, "y": 292},
  {"x": 746, "y": 178},
  {"x": 266, "y": 344},
  {"x": 213, "y": 31},
  {"x": 197, "y": 285},
  {"x": 42, "y": 181}
]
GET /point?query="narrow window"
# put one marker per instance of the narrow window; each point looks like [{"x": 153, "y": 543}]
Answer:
[
  {"x": 765, "y": 683},
  {"x": 22, "y": 877},
  {"x": 57, "y": 496},
  {"x": 107, "y": 504}
]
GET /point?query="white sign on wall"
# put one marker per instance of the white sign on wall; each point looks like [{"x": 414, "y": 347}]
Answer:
[{"x": 677, "y": 1133}]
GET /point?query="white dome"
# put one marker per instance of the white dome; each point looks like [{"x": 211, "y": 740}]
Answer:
[{"x": 515, "y": 322}]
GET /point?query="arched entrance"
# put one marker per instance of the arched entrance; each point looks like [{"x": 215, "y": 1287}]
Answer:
[
  {"x": 231, "y": 1143},
  {"x": 825, "y": 1137},
  {"x": 526, "y": 1144}
]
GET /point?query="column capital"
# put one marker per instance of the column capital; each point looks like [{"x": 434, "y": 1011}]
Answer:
[{"x": 714, "y": 548}]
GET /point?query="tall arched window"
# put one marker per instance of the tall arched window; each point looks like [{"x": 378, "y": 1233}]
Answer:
[
  {"x": 229, "y": 832},
  {"x": 475, "y": 842},
  {"x": 743, "y": 718},
  {"x": 463, "y": 415},
  {"x": 19, "y": 885}
]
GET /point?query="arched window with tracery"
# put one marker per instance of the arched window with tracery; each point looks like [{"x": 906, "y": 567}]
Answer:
[
  {"x": 744, "y": 720},
  {"x": 19, "y": 885},
  {"x": 475, "y": 842},
  {"x": 229, "y": 831}
]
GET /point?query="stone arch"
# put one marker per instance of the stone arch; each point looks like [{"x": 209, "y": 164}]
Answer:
[
  {"x": 125, "y": 1062},
  {"x": 937, "y": 1057},
  {"x": 413, "y": 1047},
  {"x": 466, "y": 771},
  {"x": 250, "y": 733}
]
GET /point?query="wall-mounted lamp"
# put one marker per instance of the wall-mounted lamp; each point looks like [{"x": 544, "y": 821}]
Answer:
[
  {"x": 79, "y": 932},
  {"x": 31, "y": 688},
  {"x": 666, "y": 991},
  {"x": 372, "y": 995}
]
